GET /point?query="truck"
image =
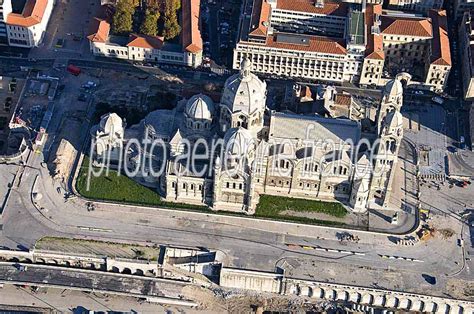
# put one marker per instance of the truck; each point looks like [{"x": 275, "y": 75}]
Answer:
[
  {"x": 438, "y": 100},
  {"x": 74, "y": 70}
]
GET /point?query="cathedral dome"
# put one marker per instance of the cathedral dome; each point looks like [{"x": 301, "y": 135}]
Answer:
[
  {"x": 200, "y": 107},
  {"x": 111, "y": 123},
  {"x": 237, "y": 141},
  {"x": 244, "y": 92}
]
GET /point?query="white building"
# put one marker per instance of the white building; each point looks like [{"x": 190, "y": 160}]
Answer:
[
  {"x": 319, "y": 17},
  {"x": 138, "y": 47},
  {"x": 283, "y": 37},
  {"x": 26, "y": 28},
  {"x": 284, "y": 154},
  {"x": 401, "y": 42},
  {"x": 109, "y": 136}
]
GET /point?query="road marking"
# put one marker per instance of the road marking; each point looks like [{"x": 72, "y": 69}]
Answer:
[
  {"x": 408, "y": 259},
  {"x": 94, "y": 229},
  {"x": 322, "y": 249}
]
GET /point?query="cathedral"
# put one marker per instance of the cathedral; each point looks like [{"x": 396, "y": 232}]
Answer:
[{"x": 242, "y": 150}]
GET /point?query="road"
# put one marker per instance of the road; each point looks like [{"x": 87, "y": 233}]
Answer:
[
  {"x": 89, "y": 279},
  {"x": 71, "y": 301},
  {"x": 246, "y": 243}
]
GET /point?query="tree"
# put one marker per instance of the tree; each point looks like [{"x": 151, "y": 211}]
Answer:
[
  {"x": 122, "y": 22},
  {"x": 171, "y": 25},
  {"x": 150, "y": 23}
]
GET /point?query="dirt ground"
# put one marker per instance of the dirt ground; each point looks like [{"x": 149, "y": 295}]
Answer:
[
  {"x": 244, "y": 301},
  {"x": 97, "y": 248}
]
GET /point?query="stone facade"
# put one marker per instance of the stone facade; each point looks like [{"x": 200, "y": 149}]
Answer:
[{"x": 268, "y": 152}]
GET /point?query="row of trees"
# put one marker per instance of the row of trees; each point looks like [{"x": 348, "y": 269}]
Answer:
[{"x": 122, "y": 22}]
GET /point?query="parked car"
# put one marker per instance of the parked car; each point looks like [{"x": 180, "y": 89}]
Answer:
[{"x": 438, "y": 100}]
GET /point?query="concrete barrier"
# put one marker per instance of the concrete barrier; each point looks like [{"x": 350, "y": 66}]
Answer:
[
  {"x": 253, "y": 280},
  {"x": 394, "y": 300}
]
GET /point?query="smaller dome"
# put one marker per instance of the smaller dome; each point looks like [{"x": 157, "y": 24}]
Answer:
[
  {"x": 237, "y": 141},
  {"x": 110, "y": 123},
  {"x": 394, "y": 88},
  {"x": 200, "y": 107}
]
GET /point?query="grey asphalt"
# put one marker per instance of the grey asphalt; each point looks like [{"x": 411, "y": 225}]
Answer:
[{"x": 86, "y": 280}]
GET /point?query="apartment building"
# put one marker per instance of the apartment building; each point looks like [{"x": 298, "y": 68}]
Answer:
[
  {"x": 374, "y": 47},
  {"x": 317, "y": 17},
  {"x": 5, "y": 9},
  {"x": 296, "y": 55},
  {"x": 289, "y": 45},
  {"x": 466, "y": 46},
  {"x": 24, "y": 22},
  {"x": 420, "y": 6},
  {"x": 417, "y": 45}
]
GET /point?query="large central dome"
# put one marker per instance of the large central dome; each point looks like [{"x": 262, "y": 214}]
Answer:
[{"x": 244, "y": 92}]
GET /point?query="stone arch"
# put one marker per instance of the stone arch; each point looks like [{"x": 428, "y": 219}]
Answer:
[
  {"x": 127, "y": 271},
  {"x": 354, "y": 297},
  {"x": 40, "y": 261},
  {"x": 405, "y": 304},
  {"x": 318, "y": 293},
  {"x": 115, "y": 269},
  {"x": 391, "y": 302},
  {"x": 430, "y": 307},
  {"x": 294, "y": 289},
  {"x": 139, "y": 272},
  {"x": 331, "y": 294},
  {"x": 14, "y": 260},
  {"x": 305, "y": 291},
  {"x": 342, "y": 295},
  {"x": 367, "y": 298}
]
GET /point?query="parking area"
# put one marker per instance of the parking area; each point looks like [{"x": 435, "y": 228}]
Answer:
[
  {"x": 220, "y": 24},
  {"x": 67, "y": 29}
]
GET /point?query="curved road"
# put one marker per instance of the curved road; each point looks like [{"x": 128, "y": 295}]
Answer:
[{"x": 246, "y": 243}]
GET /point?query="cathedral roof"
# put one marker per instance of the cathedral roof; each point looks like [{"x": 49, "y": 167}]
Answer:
[
  {"x": 296, "y": 127},
  {"x": 244, "y": 92},
  {"x": 200, "y": 107},
  {"x": 394, "y": 120},
  {"x": 237, "y": 141},
  {"x": 110, "y": 123},
  {"x": 393, "y": 88}
]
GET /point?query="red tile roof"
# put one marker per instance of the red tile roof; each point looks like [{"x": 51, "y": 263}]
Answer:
[
  {"x": 32, "y": 14},
  {"x": 191, "y": 34},
  {"x": 143, "y": 41},
  {"x": 407, "y": 26},
  {"x": 315, "y": 44},
  {"x": 260, "y": 18},
  {"x": 374, "y": 41},
  {"x": 440, "y": 51},
  {"x": 328, "y": 8},
  {"x": 100, "y": 30}
]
